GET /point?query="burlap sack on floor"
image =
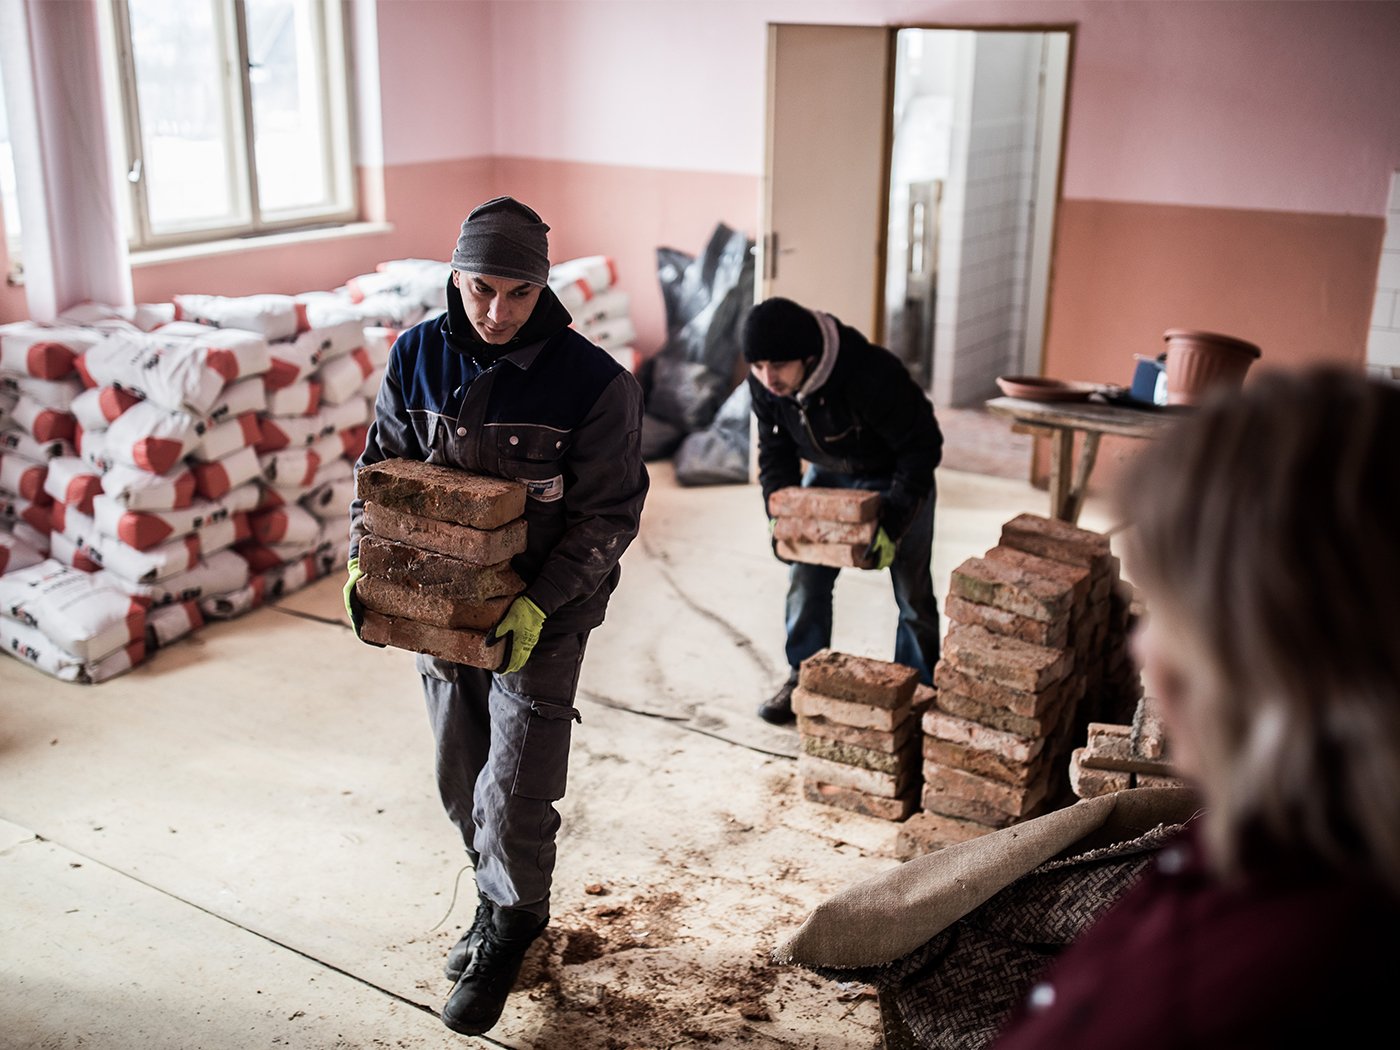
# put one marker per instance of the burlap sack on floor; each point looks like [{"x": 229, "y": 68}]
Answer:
[{"x": 953, "y": 940}]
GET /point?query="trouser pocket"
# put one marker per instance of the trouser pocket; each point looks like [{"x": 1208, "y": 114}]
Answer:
[{"x": 544, "y": 753}]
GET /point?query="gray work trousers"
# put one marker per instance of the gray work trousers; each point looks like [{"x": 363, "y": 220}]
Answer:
[{"x": 502, "y": 743}]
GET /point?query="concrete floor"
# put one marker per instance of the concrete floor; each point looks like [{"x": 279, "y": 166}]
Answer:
[{"x": 239, "y": 844}]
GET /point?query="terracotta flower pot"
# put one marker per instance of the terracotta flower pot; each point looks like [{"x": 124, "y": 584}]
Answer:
[{"x": 1201, "y": 361}]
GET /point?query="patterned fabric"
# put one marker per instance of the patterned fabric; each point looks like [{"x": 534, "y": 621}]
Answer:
[{"x": 954, "y": 992}]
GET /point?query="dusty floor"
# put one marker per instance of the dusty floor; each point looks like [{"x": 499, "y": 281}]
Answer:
[{"x": 239, "y": 845}]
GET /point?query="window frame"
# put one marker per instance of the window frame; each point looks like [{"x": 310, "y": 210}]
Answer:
[{"x": 336, "y": 98}]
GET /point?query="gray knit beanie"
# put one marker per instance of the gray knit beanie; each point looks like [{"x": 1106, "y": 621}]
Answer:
[{"x": 504, "y": 238}]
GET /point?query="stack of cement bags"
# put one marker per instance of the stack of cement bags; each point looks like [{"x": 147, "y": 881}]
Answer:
[
  {"x": 587, "y": 286},
  {"x": 437, "y": 558}
]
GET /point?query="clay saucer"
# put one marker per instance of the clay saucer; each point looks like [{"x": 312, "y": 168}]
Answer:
[{"x": 1041, "y": 388}]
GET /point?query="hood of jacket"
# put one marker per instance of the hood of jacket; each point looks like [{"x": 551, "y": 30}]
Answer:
[{"x": 548, "y": 318}]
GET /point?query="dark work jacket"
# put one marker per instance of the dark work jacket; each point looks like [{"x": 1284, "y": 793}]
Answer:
[
  {"x": 1292, "y": 955},
  {"x": 549, "y": 409},
  {"x": 869, "y": 419}
]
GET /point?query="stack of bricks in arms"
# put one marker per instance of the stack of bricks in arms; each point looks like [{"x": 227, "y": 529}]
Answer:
[{"x": 436, "y": 559}]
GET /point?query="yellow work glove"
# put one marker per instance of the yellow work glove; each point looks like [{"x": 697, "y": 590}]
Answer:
[
  {"x": 353, "y": 608},
  {"x": 881, "y": 550},
  {"x": 521, "y": 625}
]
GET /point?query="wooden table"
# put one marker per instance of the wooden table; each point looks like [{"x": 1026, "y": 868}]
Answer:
[{"x": 1060, "y": 420}]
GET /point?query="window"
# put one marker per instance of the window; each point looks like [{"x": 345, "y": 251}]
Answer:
[
  {"x": 234, "y": 117},
  {"x": 9, "y": 207}
]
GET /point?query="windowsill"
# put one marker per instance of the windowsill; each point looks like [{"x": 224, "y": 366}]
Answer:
[{"x": 207, "y": 249}]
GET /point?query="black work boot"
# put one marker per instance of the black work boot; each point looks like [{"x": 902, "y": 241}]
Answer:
[
  {"x": 475, "y": 1003},
  {"x": 779, "y": 709},
  {"x": 463, "y": 950}
]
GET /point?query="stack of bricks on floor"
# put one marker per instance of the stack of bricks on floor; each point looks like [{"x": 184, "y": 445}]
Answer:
[
  {"x": 1118, "y": 757},
  {"x": 858, "y": 725},
  {"x": 824, "y": 526},
  {"x": 1035, "y": 651},
  {"x": 436, "y": 558}
]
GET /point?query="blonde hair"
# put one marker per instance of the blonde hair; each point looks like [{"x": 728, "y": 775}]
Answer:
[{"x": 1267, "y": 525}]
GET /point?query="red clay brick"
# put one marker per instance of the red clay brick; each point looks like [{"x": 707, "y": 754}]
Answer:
[
  {"x": 1073, "y": 577},
  {"x": 925, "y": 832},
  {"x": 989, "y": 582},
  {"x": 1013, "y": 799},
  {"x": 1013, "y": 625},
  {"x": 894, "y": 763},
  {"x": 835, "y": 555},
  {"x": 1055, "y": 539},
  {"x": 433, "y": 491},
  {"x": 819, "y": 530},
  {"x": 983, "y": 763},
  {"x": 413, "y": 566},
  {"x": 860, "y": 679},
  {"x": 474, "y": 546},
  {"x": 808, "y": 704},
  {"x": 461, "y": 647},
  {"x": 977, "y": 812},
  {"x": 1010, "y": 661},
  {"x": 853, "y": 801},
  {"x": 965, "y": 707},
  {"x": 1087, "y": 782},
  {"x": 965, "y": 732},
  {"x": 996, "y": 694},
  {"x": 885, "y": 785},
  {"x": 874, "y": 739},
  {"x": 832, "y": 504},
  {"x": 429, "y": 605}
]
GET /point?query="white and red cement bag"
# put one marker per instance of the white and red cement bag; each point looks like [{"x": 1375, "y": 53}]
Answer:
[
  {"x": 16, "y": 510},
  {"x": 23, "y": 477},
  {"x": 82, "y": 614},
  {"x": 43, "y": 351},
  {"x": 246, "y": 395},
  {"x": 270, "y": 316},
  {"x": 153, "y": 438},
  {"x": 296, "y": 468},
  {"x": 343, "y": 377},
  {"x": 301, "y": 398},
  {"x": 41, "y": 652},
  {"x": 30, "y": 447},
  {"x": 44, "y": 423},
  {"x": 96, "y": 407},
  {"x": 217, "y": 573},
  {"x": 146, "y": 529},
  {"x": 71, "y": 480},
  {"x": 170, "y": 623},
  {"x": 15, "y": 554},
  {"x": 51, "y": 393},
  {"x": 242, "y": 431},
  {"x": 213, "y": 480},
  {"x": 136, "y": 489},
  {"x": 173, "y": 372}
]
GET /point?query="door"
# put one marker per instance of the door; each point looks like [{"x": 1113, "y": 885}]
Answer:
[{"x": 823, "y": 221}]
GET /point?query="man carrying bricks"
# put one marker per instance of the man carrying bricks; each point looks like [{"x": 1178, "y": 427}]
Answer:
[
  {"x": 825, "y": 395},
  {"x": 501, "y": 386}
]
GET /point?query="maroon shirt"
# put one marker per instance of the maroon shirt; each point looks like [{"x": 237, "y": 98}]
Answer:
[{"x": 1290, "y": 956}]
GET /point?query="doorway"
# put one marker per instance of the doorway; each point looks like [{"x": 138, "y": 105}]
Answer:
[{"x": 948, "y": 154}]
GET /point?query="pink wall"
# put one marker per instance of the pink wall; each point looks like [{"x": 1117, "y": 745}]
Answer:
[{"x": 1225, "y": 104}]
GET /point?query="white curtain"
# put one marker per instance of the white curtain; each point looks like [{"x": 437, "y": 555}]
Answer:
[{"x": 74, "y": 249}]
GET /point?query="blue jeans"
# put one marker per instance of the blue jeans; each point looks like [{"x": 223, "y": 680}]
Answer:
[{"x": 810, "y": 587}]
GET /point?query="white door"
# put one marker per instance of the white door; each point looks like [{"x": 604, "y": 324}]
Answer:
[{"x": 825, "y": 194}]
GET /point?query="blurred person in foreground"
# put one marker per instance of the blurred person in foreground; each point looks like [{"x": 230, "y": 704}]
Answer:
[
  {"x": 500, "y": 385},
  {"x": 1264, "y": 538}
]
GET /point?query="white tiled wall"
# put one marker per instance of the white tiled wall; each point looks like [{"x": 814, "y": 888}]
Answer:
[
  {"x": 1383, "y": 345},
  {"x": 982, "y": 282}
]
